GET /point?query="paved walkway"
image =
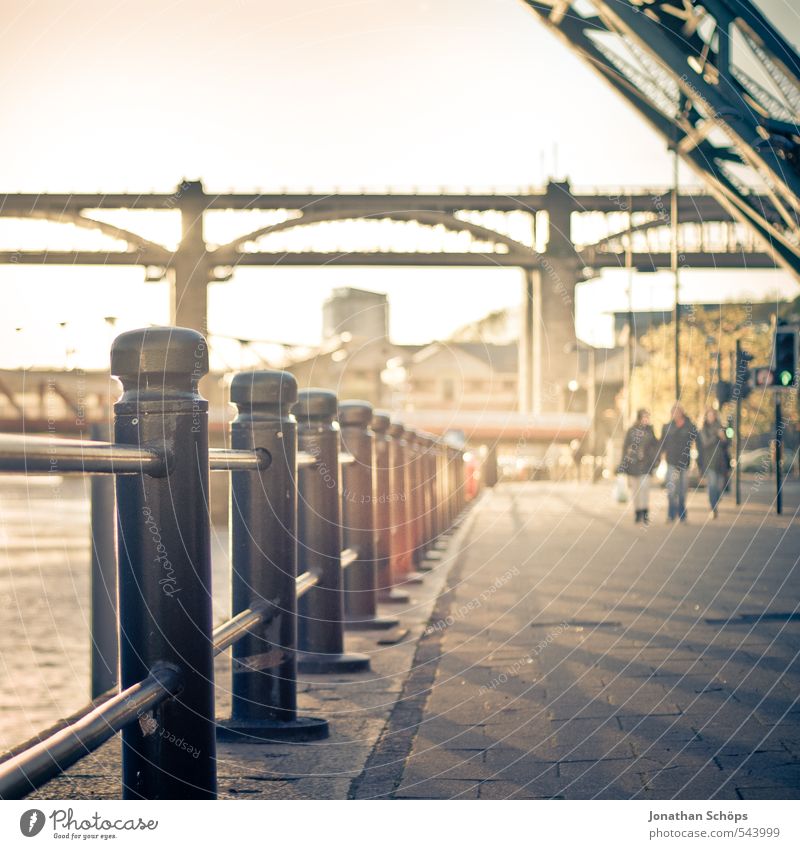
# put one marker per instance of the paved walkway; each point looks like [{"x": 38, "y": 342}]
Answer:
[
  {"x": 557, "y": 650},
  {"x": 579, "y": 656}
]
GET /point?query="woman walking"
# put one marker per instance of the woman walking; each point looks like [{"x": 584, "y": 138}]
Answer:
[
  {"x": 713, "y": 458},
  {"x": 677, "y": 437},
  {"x": 639, "y": 453}
]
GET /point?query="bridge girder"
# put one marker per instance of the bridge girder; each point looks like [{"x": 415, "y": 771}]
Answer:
[{"x": 673, "y": 63}]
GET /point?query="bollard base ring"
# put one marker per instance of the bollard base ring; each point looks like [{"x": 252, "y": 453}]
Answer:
[
  {"x": 318, "y": 663},
  {"x": 376, "y": 623},
  {"x": 393, "y": 596},
  {"x": 412, "y": 578},
  {"x": 299, "y": 730}
]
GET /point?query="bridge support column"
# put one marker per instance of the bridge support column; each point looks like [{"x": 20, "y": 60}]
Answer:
[
  {"x": 191, "y": 268},
  {"x": 530, "y": 337},
  {"x": 555, "y": 352}
]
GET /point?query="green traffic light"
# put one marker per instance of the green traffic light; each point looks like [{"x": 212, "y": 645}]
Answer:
[
  {"x": 785, "y": 378},
  {"x": 729, "y": 432}
]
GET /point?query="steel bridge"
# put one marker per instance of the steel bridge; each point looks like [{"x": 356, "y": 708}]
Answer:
[
  {"x": 675, "y": 64},
  {"x": 717, "y": 81},
  {"x": 552, "y": 261}
]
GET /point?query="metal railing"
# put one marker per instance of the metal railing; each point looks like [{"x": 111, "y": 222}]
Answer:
[{"x": 333, "y": 507}]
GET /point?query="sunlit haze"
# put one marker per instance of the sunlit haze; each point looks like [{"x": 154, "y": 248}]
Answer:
[{"x": 357, "y": 96}]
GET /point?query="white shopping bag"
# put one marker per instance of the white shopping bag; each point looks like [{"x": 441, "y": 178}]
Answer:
[{"x": 620, "y": 490}]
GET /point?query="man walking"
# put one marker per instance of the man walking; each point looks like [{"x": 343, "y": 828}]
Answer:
[{"x": 676, "y": 446}]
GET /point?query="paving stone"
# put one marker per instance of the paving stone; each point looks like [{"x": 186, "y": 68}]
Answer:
[
  {"x": 509, "y": 790},
  {"x": 506, "y": 702},
  {"x": 749, "y": 793},
  {"x": 438, "y": 789}
]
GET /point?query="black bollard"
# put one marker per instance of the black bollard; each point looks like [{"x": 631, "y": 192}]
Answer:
[
  {"x": 489, "y": 472},
  {"x": 441, "y": 492},
  {"x": 105, "y": 648},
  {"x": 399, "y": 479},
  {"x": 429, "y": 459},
  {"x": 358, "y": 519},
  {"x": 165, "y": 562},
  {"x": 264, "y": 564},
  {"x": 387, "y": 592},
  {"x": 455, "y": 485},
  {"x": 461, "y": 480},
  {"x": 433, "y": 498},
  {"x": 416, "y": 507},
  {"x": 424, "y": 447},
  {"x": 319, "y": 532},
  {"x": 451, "y": 485}
]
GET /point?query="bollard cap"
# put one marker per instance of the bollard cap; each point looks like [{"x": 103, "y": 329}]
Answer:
[
  {"x": 381, "y": 421},
  {"x": 155, "y": 356},
  {"x": 412, "y": 435},
  {"x": 316, "y": 404},
  {"x": 269, "y": 387},
  {"x": 355, "y": 413},
  {"x": 396, "y": 429}
]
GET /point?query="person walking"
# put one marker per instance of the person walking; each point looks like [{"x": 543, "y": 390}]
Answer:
[
  {"x": 639, "y": 455},
  {"x": 713, "y": 458},
  {"x": 676, "y": 446}
]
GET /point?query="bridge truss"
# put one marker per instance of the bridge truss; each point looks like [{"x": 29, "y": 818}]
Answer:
[{"x": 717, "y": 81}]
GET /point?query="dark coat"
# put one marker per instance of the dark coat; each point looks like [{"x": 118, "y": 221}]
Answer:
[
  {"x": 676, "y": 443},
  {"x": 639, "y": 451},
  {"x": 713, "y": 449}
]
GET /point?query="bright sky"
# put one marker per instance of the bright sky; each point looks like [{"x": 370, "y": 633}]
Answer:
[{"x": 111, "y": 96}]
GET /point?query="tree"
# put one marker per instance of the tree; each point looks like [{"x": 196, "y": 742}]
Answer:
[{"x": 707, "y": 342}]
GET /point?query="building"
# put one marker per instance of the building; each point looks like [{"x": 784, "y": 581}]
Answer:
[
  {"x": 464, "y": 376},
  {"x": 353, "y": 368},
  {"x": 361, "y": 314},
  {"x": 356, "y": 358}
]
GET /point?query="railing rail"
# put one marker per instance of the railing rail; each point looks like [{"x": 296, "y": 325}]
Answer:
[
  {"x": 348, "y": 557},
  {"x": 51, "y": 454},
  {"x": 238, "y": 626},
  {"x": 305, "y": 582},
  {"x": 327, "y": 518},
  {"x": 234, "y": 460},
  {"x": 30, "y": 769}
]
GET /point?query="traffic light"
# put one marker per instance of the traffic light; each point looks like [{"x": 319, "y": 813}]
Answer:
[
  {"x": 729, "y": 428},
  {"x": 743, "y": 383},
  {"x": 786, "y": 357},
  {"x": 724, "y": 393}
]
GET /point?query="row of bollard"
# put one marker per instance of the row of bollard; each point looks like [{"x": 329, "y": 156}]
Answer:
[{"x": 342, "y": 513}]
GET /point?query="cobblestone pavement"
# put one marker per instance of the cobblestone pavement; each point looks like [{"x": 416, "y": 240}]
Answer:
[
  {"x": 556, "y": 650},
  {"x": 583, "y": 656}
]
